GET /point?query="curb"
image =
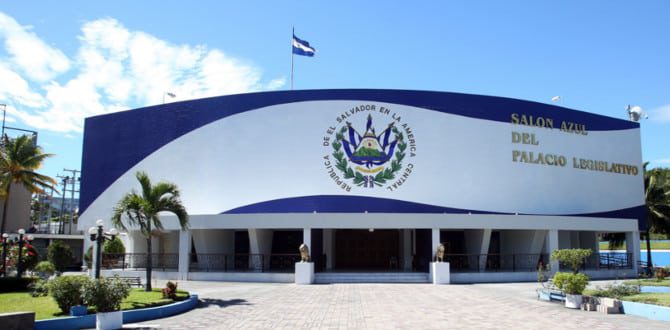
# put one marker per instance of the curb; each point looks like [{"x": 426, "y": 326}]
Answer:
[
  {"x": 654, "y": 312},
  {"x": 129, "y": 316}
]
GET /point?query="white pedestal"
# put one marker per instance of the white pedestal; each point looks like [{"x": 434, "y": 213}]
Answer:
[
  {"x": 304, "y": 272},
  {"x": 439, "y": 272},
  {"x": 109, "y": 321}
]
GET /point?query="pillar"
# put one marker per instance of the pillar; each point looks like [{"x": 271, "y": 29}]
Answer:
[
  {"x": 184, "y": 253},
  {"x": 552, "y": 244},
  {"x": 477, "y": 242},
  {"x": 307, "y": 239},
  {"x": 633, "y": 248},
  {"x": 329, "y": 247},
  {"x": 407, "y": 249},
  {"x": 260, "y": 242}
]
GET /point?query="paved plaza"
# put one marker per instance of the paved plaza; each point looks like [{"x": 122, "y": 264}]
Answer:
[{"x": 384, "y": 306}]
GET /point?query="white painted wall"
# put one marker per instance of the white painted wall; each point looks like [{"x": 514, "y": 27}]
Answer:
[
  {"x": 260, "y": 242},
  {"x": 168, "y": 242},
  {"x": 564, "y": 239},
  {"x": 214, "y": 241},
  {"x": 403, "y": 220},
  {"x": 487, "y": 144},
  {"x": 588, "y": 240},
  {"x": 477, "y": 241},
  {"x": 522, "y": 241}
]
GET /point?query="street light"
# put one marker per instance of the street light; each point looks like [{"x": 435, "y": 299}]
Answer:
[
  {"x": 19, "y": 266},
  {"x": 635, "y": 113},
  {"x": 170, "y": 94},
  {"x": 5, "y": 237},
  {"x": 99, "y": 236}
]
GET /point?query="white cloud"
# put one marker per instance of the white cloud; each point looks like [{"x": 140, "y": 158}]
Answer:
[
  {"x": 17, "y": 90},
  {"x": 660, "y": 114},
  {"x": 116, "y": 69},
  {"x": 36, "y": 59}
]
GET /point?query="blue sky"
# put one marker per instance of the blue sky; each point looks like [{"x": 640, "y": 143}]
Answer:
[{"x": 63, "y": 61}]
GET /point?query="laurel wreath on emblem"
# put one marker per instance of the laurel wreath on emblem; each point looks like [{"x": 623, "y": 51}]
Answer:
[{"x": 381, "y": 177}]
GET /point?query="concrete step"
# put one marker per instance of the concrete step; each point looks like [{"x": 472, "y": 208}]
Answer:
[{"x": 371, "y": 278}]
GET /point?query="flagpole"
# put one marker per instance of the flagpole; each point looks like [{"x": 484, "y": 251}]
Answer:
[{"x": 292, "y": 55}]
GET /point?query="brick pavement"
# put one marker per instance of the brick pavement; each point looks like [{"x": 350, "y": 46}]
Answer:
[{"x": 384, "y": 306}]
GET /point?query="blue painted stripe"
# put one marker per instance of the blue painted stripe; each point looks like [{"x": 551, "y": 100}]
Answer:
[
  {"x": 129, "y": 316},
  {"x": 654, "y": 312},
  {"x": 113, "y": 143},
  {"x": 362, "y": 204},
  {"x": 655, "y": 289}
]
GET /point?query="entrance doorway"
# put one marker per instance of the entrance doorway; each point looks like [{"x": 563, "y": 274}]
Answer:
[{"x": 357, "y": 249}]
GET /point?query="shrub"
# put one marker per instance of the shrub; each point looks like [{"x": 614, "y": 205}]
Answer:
[
  {"x": 45, "y": 269},
  {"x": 39, "y": 288},
  {"x": 67, "y": 291},
  {"x": 573, "y": 258},
  {"x": 60, "y": 254},
  {"x": 617, "y": 291},
  {"x": 13, "y": 284},
  {"x": 114, "y": 246},
  {"x": 571, "y": 283},
  {"x": 106, "y": 294},
  {"x": 88, "y": 257},
  {"x": 660, "y": 273},
  {"x": 541, "y": 273},
  {"x": 170, "y": 290},
  {"x": 29, "y": 256}
]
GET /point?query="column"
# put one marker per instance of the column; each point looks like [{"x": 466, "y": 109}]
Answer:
[
  {"x": 260, "y": 243},
  {"x": 407, "y": 249},
  {"x": 477, "y": 242},
  {"x": 329, "y": 247},
  {"x": 307, "y": 239},
  {"x": 184, "y": 253},
  {"x": 552, "y": 244},
  {"x": 633, "y": 248}
]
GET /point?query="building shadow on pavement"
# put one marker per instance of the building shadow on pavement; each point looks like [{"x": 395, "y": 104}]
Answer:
[{"x": 206, "y": 302}]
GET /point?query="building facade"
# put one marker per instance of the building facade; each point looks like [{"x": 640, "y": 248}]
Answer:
[{"x": 370, "y": 180}]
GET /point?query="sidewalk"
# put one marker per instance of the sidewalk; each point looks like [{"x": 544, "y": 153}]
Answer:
[{"x": 383, "y": 306}]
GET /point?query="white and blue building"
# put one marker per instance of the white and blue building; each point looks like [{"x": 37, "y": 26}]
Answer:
[{"x": 372, "y": 181}]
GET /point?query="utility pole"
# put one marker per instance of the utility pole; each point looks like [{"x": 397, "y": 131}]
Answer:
[
  {"x": 73, "y": 208},
  {"x": 51, "y": 201},
  {"x": 61, "y": 226}
]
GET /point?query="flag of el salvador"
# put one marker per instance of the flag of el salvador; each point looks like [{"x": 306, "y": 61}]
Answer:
[{"x": 301, "y": 47}]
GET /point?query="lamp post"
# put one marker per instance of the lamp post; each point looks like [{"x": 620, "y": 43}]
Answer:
[
  {"x": 19, "y": 264},
  {"x": 98, "y": 235},
  {"x": 5, "y": 237}
]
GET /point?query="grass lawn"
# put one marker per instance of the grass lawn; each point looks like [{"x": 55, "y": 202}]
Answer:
[
  {"x": 655, "y": 245},
  {"x": 650, "y": 282},
  {"x": 46, "y": 307},
  {"x": 662, "y": 299}
]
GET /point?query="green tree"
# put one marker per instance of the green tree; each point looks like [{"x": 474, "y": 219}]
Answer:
[
  {"x": 114, "y": 246},
  {"x": 657, "y": 200},
  {"x": 142, "y": 210},
  {"x": 573, "y": 258},
  {"x": 60, "y": 255},
  {"x": 19, "y": 159}
]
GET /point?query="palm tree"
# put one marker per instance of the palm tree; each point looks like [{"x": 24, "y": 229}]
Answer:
[
  {"x": 143, "y": 210},
  {"x": 19, "y": 159},
  {"x": 657, "y": 199}
]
